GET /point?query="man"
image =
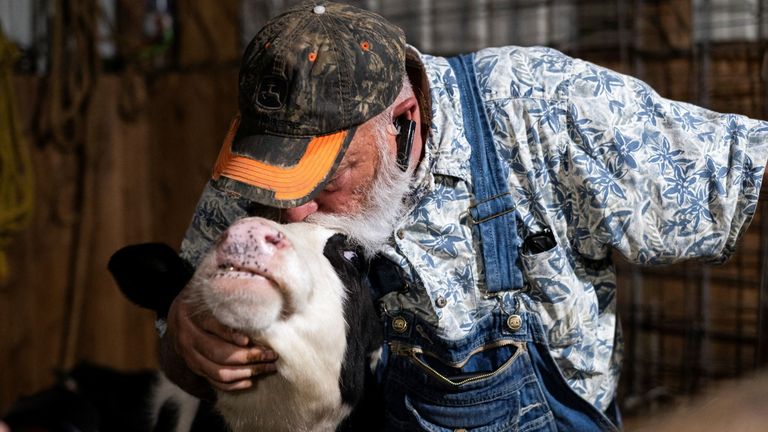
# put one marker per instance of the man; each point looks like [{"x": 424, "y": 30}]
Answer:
[{"x": 506, "y": 177}]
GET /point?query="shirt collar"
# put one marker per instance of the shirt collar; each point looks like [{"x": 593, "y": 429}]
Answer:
[{"x": 446, "y": 150}]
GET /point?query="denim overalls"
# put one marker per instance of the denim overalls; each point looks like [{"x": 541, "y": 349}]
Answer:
[{"x": 501, "y": 376}]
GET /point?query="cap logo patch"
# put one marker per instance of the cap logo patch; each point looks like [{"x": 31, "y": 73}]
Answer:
[{"x": 271, "y": 93}]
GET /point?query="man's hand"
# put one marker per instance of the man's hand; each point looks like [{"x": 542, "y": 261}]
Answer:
[{"x": 224, "y": 357}]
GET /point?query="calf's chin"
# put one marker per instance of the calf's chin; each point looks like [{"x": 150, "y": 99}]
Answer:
[{"x": 299, "y": 289}]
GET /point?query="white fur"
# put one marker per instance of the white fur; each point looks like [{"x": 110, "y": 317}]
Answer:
[{"x": 310, "y": 340}]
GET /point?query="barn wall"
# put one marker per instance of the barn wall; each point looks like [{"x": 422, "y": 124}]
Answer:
[
  {"x": 141, "y": 179},
  {"x": 152, "y": 132}
]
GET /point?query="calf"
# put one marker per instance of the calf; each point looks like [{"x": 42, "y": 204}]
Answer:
[{"x": 299, "y": 289}]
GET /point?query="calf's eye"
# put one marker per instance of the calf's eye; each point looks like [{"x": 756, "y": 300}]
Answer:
[{"x": 350, "y": 256}]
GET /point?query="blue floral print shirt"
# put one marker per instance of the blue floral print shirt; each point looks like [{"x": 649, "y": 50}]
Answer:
[{"x": 596, "y": 157}]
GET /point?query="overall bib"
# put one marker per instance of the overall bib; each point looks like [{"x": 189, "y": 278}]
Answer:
[{"x": 500, "y": 376}]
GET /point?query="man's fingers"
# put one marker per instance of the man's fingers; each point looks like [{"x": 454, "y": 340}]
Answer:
[
  {"x": 221, "y": 352},
  {"x": 207, "y": 322},
  {"x": 243, "y": 384},
  {"x": 224, "y": 346},
  {"x": 257, "y": 354},
  {"x": 231, "y": 378},
  {"x": 211, "y": 325},
  {"x": 230, "y": 387},
  {"x": 233, "y": 355}
]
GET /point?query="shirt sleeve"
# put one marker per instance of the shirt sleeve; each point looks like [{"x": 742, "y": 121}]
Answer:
[
  {"x": 215, "y": 211},
  {"x": 658, "y": 180}
]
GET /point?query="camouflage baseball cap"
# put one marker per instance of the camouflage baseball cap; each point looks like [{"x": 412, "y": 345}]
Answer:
[{"x": 307, "y": 80}]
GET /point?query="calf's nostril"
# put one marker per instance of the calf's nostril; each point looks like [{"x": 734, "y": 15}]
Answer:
[{"x": 275, "y": 238}]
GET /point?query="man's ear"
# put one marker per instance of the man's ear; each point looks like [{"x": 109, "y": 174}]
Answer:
[{"x": 150, "y": 274}]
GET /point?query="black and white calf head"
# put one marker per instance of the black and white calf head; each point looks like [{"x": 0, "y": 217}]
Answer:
[
  {"x": 297, "y": 288},
  {"x": 261, "y": 274}
]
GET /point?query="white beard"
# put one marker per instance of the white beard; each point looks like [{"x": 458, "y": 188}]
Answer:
[{"x": 385, "y": 205}]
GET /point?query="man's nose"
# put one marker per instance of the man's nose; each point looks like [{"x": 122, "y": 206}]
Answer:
[{"x": 299, "y": 213}]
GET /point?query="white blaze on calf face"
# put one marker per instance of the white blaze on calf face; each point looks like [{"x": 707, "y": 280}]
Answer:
[
  {"x": 273, "y": 282},
  {"x": 255, "y": 276}
]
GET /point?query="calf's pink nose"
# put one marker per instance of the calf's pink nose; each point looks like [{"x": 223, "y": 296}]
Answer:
[{"x": 248, "y": 238}]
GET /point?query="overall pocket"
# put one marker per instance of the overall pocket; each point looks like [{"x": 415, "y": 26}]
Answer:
[
  {"x": 491, "y": 387},
  {"x": 561, "y": 307},
  {"x": 482, "y": 363}
]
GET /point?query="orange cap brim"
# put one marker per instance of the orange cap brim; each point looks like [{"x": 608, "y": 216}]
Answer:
[{"x": 286, "y": 183}]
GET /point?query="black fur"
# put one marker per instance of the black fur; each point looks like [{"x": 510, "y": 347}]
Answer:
[{"x": 364, "y": 335}]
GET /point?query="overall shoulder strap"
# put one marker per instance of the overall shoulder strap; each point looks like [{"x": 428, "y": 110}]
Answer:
[{"x": 493, "y": 213}]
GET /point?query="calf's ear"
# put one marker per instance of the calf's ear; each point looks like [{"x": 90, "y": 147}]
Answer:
[{"x": 150, "y": 274}]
